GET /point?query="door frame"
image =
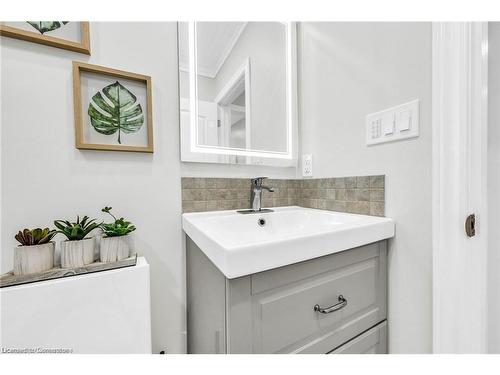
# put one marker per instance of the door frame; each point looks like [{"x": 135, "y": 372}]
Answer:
[
  {"x": 459, "y": 122},
  {"x": 239, "y": 82}
]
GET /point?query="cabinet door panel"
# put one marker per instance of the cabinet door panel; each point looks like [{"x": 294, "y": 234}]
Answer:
[
  {"x": 373, "y": 341},
  {"x": 287, "y": 315}
]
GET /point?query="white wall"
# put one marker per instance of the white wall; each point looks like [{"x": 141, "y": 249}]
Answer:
[
  {"x": 494, "y": 187},
  {"x": 348, "y": 70},
  {"x": 45, "y": 178}
]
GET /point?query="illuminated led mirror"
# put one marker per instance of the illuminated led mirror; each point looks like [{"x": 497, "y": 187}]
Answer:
[{"x": 237, "y": 86}]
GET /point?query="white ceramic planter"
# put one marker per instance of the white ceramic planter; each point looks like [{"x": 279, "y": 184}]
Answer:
[
  {"x": 77, "y": 253},
  {"x": 115, "y": 248},
  {"x": 33, "y": 259}
]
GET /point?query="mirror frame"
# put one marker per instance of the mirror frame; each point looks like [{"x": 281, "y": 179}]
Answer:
[{"x": 254, "y": 157}]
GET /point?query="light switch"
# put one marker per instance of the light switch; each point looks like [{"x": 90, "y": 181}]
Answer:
[
  {"x": 404, "y": 123},
  {"x": 388, "y": 124}
]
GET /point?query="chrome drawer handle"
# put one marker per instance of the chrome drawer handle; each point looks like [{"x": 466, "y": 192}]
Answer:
[{"x": 342, "y": 303}]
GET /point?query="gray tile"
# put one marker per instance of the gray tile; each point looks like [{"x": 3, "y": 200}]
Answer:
[
  {"x": 350, "y": 195},
  {"x": 340, "y": 194},
  {"x": 243, "y": 194},
  {"x": 221, "y": 194},
  {"x": 377, "y": 181},
  {"x": 358, "y": 208},
  {"x": 307, "y": 202},
  {"x": 323, "y": 183},
  {"x": 362, "y": 195},
  {"x": 362, "y": 181},
  {"x": 211, "y": 183},
  {"x": 350, "y": 182},
  {"x": 377, "y": 195},
  {"x": 351, "y": 207},
  {"x": 274, "y": 183},
  {"x": 243, "y": 204},
  {"x": 364, "y": 208},
  {"x": 331, "y": 194},
  {"x": 238, "y": 183},
  {"x": 193, "y": 206},
  {"x": 340, "y": 182},
  {"x": 322, "y": 203},
  {"x": 211, "y": 205},
  {"x": 266, "y": 194},
  {"x": 309, "y": 184},
  {"x": 192, "y": 183},
  {"x": 267, "y": 201},
  {"x": 377, "y": 208},
  {"x": 281, "y": 192},
  {"x": 194, "y": 194},
  {"x": 227, "y": 204},
  {"x": 280, "y": 183},
  {"x": 330, "y": 183},
  {"x": 222, "y": 183},
  {"x": 338, "y": 206},
  {"x": 330, "y": 204},
  {"x": 307, "y": 193},
  {"x": 280, "y": 202},
  {"x": 321, "y": 194},
  {"x": 244, "y": 183}
]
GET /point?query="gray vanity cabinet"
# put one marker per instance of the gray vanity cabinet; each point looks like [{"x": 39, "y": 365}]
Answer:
[{"x": 332, "y": 304}]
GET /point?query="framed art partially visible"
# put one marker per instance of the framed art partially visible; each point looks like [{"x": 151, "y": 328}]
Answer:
[
  {"x": 113, "y": 109},
  {"x": 72, "y": 36}
]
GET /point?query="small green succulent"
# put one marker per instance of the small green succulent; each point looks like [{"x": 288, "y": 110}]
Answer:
[
  {"x": 37, "y": 236},
  {"x": 119, "y": 227},
  {"x": 76, "y": 231}
]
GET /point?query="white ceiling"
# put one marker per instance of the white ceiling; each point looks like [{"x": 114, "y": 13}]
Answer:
[{"x": 215, "y": 42}]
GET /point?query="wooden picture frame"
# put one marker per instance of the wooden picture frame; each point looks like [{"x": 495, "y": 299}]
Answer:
[
  {"x": 31, "y": 36},
  {"x": 80, "y": 141}
]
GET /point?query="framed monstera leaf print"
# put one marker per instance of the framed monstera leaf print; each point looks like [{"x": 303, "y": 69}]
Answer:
[
  {"x": 69, "y": 35},
  {"x": 112, "y": 109}
]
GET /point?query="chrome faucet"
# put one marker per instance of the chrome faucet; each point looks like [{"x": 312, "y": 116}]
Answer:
[{"x": 256, "y": 195}]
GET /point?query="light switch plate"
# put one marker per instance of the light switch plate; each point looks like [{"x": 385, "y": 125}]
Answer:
[
  {"x": 307, "y": 165},
  {"x": 393, "y": 124}
]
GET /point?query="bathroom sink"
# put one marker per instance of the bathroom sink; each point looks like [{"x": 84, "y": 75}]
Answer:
[{"x": 240, "y": 245}]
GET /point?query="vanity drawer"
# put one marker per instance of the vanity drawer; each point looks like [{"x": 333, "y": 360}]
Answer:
[
  {"x": 373, "y": 341},
  {"x": 283, "y": 318}
]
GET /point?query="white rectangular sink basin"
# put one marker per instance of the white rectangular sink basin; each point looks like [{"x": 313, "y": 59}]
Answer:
[{"x": 239, "y": 246}]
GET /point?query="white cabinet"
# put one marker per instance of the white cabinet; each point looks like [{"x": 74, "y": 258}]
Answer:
[{"x": 102, "y": 312}]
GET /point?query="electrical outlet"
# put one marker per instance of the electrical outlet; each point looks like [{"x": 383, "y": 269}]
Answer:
[{"x": 307, "y": 165}]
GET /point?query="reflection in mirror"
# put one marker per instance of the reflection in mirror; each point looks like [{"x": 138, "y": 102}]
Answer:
[{"x": 236, "y": 78}]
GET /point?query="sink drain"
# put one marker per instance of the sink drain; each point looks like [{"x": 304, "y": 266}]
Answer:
[{"x": 261, "y": 222}]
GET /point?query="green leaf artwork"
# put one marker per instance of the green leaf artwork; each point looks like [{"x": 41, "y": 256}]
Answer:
[
  {"x": 45, "y": 26},
  {"x": 115, "y": 110}
]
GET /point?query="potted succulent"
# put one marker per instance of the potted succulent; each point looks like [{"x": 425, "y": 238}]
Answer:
[
  {"x": 77, "y": 250},
  {"x": 36, "y": 252},
  {"x": 116, "y": 244}
]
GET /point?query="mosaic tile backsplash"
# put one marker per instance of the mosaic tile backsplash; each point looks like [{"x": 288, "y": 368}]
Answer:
[{"x": 359, "y": 195}]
